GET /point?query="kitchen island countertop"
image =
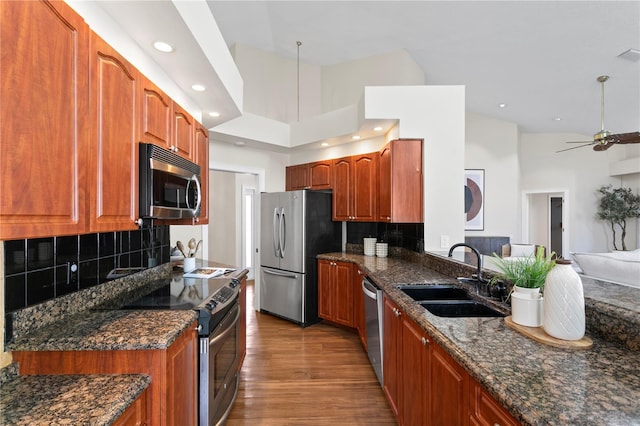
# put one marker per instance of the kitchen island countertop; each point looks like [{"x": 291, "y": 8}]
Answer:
[
  {"x": 538, "y": 384},
  {"x": 69, "y": 399}
]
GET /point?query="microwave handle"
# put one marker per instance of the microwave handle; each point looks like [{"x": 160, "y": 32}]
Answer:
[{"x": 198, "y": 190}]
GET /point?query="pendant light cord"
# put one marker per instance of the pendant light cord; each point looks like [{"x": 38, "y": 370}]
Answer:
[{"x": 298, "y": 43}]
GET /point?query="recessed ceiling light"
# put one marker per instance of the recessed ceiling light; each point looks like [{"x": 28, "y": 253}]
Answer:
[
  {"x": 324, "y": 144},
  {"x": 355, "y": 137},
  {"x": 377, "y": 128},
  {"x": 239, "y": 143},
  {"x": 163, "y": 47},
  {"x": 198, "y": 88},
  {"x": 214, "y": 114},
  {"x": 557, "y": 118},
  {"x": 502, "y": 105}
]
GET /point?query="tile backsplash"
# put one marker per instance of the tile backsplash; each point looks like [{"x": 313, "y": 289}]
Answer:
[
  {"x": 41, "y": 269},
  {"x": 409, "y": 236}
]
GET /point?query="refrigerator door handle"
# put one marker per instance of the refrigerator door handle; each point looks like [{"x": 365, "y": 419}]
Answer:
[
  {"x": 275, "y": 233},
  {"x": 283, "y": 233},
  {"x": 280, "y": 274}
]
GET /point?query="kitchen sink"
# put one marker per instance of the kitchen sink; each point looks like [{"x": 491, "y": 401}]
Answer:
[
  {"x": 446, "y": 300},
  {"x": 435, "y": 292},
  {"x": 459, "y": 308}
]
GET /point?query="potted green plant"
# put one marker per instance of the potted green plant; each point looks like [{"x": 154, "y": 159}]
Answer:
[
  {"x": 616, "y": 206},
  {"x": 528, "y": 275}
]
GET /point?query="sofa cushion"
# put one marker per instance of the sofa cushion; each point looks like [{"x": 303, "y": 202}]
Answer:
[{"x": 523, "y": 250}]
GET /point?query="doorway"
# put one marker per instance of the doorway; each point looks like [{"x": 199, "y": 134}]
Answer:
[
  {"x": 545, "y": 220},
  {"x": 249, "y": 244},
  {"x": 555, "y": 223}
]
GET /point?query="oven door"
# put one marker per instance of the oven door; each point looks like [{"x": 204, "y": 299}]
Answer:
[{"x": 219, "y": 370}]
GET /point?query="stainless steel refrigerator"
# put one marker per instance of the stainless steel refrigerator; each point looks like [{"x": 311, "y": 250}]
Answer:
[{"x": 294, "y": 227}]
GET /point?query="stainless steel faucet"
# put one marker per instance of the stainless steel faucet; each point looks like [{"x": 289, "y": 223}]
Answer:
[{"x": 477, "y": 253}]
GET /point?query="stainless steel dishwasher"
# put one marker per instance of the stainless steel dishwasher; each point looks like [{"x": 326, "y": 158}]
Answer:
[{"x": 373, "y": 319}]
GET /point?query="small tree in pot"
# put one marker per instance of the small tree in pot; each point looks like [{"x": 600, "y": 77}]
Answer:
[{"x": 616, "y": 205}]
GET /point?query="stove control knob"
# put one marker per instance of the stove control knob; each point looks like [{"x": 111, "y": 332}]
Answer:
[
  {"x": 211, "y": 304},
  {"x": 234, "y": 283}
]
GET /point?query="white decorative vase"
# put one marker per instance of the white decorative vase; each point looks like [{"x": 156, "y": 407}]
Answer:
[
  {"x": 527, "y": 306},
  {"x": 564, "y": 316}
]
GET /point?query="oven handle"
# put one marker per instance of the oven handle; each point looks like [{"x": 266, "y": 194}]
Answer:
[{"x": 221, "y": 335}]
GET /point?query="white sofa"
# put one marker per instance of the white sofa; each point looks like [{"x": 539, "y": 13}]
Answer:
[{"x": 620, "y": 267}]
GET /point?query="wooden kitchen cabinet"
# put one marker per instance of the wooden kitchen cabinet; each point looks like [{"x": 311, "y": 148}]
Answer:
[
  {"x": 155, "y": 114},
  {"x": 485, "y": 410},
  {"x": 297, "y": 177},
  {"x": 201, "y": 143},
  {"x": 183, "y": 132},
  {"x": 45, "y": 121},
  {"x": 316, "y": 175},
  {"x": 400, "y": 182},
  {"x": 416, "y": 384},
  {"x": 335, "y": 292},
  {"x": 136, "y": 414},
  {"x": 449, "y": 401},
  {"x": 358, "y": 305},
  {"x": 113, "y": 180},
  {"x": 173, "y": 391},
  {"x": 354, "y": 188},
  {"x": 392, "y": 354},
  {"x": 320, "y": 176}
]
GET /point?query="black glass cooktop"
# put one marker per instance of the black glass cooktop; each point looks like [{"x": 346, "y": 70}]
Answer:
[{"x": 176, "y": 294}]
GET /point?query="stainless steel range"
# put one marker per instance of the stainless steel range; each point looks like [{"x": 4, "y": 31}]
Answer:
[{"x": 216, "y": 301}]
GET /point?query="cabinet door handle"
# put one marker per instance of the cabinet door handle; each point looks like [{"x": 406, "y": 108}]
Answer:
[
  {"x": 396, "y": 312},
  {"x": 425, "y": 341}
]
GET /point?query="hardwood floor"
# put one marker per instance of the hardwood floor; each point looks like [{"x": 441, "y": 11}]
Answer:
[{"x": 319, "y": 375}]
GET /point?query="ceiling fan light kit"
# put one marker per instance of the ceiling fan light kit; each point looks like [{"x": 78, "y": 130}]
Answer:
[{"x": 604, "y": 139}]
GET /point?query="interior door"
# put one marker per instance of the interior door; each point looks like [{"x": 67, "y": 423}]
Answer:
[{"x": 555, "y": 224}]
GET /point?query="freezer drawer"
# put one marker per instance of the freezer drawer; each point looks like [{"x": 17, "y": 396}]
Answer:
[{"x": 282, "y": 294}]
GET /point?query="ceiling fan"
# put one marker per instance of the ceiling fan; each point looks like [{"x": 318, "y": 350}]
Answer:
[{"x": 604, "y": 139}]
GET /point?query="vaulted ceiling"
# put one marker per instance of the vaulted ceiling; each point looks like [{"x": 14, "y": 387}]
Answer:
[{"x": 540, "y": 58}]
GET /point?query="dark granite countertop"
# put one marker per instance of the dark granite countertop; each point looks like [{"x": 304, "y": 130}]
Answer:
[
  {"x": 538, "y": 384},
  {"x": 108, "y": 330},
  {"x": 68, "y": 399}
]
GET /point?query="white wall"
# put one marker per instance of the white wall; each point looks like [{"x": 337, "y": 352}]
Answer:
[
  {"x": 271, "y": 165},
  {"x": 435, "y": 114},
  {"x": 222, "y": 217},
  {"x": 492, "y": 145},
  {"x": 343, "y": 84},
  {"x": 581, "y": 172},
  {"x": 271, "y": 85}
]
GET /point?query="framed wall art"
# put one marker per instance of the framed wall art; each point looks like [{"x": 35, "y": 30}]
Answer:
[{"x": 474, "y": 199}]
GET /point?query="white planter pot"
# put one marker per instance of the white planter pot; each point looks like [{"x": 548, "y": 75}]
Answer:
[
  {"x": 527, "y": 309},
  {"x": 564, "y": 316}
]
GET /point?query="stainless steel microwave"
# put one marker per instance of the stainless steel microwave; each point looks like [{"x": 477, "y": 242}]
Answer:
[{"x": 169, "y": 184}]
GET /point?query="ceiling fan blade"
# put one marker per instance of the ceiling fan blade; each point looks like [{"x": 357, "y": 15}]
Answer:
[
  {"x": 633, "y": 137},
  {"x": 603, "y": 146},
  {"x": 575, "y": 147},
  {"x": 580, "y": 142}
]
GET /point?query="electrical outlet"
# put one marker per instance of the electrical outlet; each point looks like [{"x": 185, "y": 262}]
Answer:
[
  {"x": 72, "y": 273},
  {"x": 444, "y": 241}
]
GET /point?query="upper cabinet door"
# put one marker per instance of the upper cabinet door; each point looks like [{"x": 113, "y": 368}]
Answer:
[
  {"x": 342, "y": 189},
  {"x": 201, "y": 139},
  {"x": 297, "y": 177},
  {"x": 320, "y": 176},
  {"x": 44, "y": 113},
  {"x": 155, "y": 114},
  {"x": 365, "y": 172},
  {"x": 114, "y": 139},
  {"x": 400, "y": 182},
  {"x": 183, "y": 125}
]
